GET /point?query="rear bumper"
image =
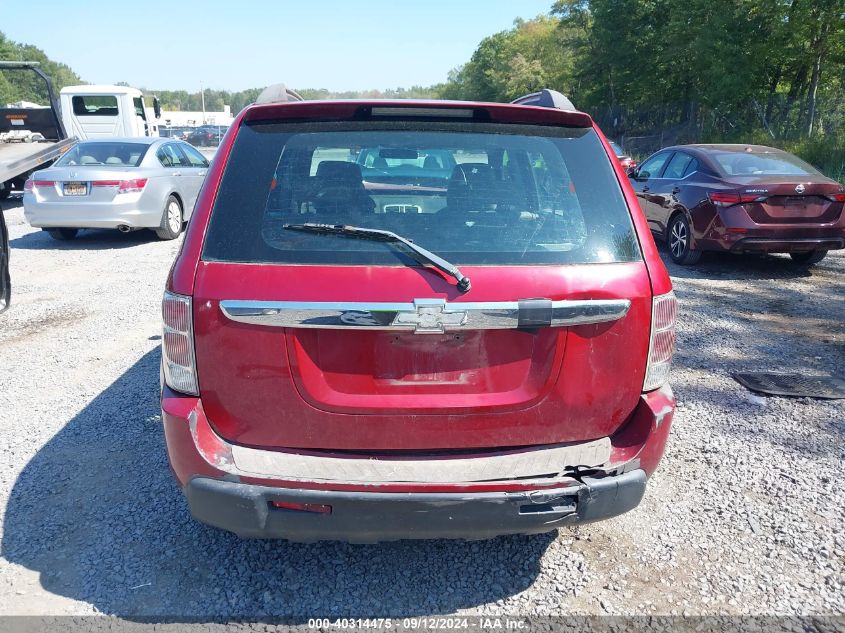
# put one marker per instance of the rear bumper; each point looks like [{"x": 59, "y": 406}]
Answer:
[
  {"x": 733, "y": 230},
  {"x": 367, "y": 517},
  {"x": 90, "y": 216},
  {"x": 781, "y": 245},
  {"x": 226, "y": 490}
]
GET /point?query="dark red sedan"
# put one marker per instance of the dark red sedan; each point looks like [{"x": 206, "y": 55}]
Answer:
[{"x": 742, "y": 199}]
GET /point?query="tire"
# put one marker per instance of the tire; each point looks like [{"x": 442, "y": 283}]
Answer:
[
  {"x": 678, "y": 241},
  {"x": 171, "y": 220},
  {"x": 808, "y": 259},
  {"x": 63, "y": 234},
  {"x": 6, "y": 190}
]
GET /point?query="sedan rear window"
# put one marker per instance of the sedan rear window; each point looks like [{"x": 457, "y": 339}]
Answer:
[
  {"x": 762, "y": 163},
  {"x": 117, "y": 154},
  {"x": 476, "y": 193}
]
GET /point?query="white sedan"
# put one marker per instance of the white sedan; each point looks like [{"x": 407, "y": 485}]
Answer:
[{"x": 117, "y": 183}]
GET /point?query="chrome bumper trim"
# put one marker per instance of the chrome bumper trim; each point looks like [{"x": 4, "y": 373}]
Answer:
[{"x": 426, "y": 316}]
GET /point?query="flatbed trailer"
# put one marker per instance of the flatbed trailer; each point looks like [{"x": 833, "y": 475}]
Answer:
[{"x": 19, "y": 159}]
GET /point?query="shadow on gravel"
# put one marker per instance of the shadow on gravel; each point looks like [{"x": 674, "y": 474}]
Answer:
[
  {"x": 85, "y": 240},
  {"x": 739, "y": 267},
  {"x": 97, "y": 514}
]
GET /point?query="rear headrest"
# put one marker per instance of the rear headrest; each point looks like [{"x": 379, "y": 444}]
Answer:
[
  {"x": 432, "y": 162},
  {"x": 472, "y": 187},
  {"x": 113, "y": 160},
  {"x": 744, "y": 165},
  {"x": 340, "y": 173},
  {"x": 339, "y": 190}
]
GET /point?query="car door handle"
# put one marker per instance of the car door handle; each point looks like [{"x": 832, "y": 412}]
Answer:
[
  {"x": 177, "y": 173},
  {"x": 203, "y": 173}
]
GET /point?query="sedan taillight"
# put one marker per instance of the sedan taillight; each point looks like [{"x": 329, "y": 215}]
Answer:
[
  {"x": 30, "y": 184},
  {"x": 130, "y": 186},
  {"x": 661, "y": 346},
  {"x": 122, "y": 186},
  {"x": 177, "y": 344},
  {"x": 727, "y": 199}
]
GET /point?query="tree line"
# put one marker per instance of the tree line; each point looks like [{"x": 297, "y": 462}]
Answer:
[
  {"x": 666, "y": 71},
  {"x": 650, "y": 72},
  {"x": 25, "y": 85}
]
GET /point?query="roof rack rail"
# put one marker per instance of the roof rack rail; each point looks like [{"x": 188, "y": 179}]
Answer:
[
  {"x": 547, "y": 99},
  {"x": 278, "y": 93}
]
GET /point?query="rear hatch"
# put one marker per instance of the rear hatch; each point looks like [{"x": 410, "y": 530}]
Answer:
[
  {"x": 82, "y": 186},
  {"x": 320, "y": 341},
  {"x": 801, "y": 201}
]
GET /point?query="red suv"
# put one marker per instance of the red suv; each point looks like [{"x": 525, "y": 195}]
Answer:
[{"x": 385, "y": 352}]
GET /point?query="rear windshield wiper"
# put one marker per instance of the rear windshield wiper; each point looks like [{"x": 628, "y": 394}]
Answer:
[{"x": 379, "y": 235}]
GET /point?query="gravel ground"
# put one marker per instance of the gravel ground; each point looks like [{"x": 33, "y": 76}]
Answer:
[{"x": 745, "y": 515}]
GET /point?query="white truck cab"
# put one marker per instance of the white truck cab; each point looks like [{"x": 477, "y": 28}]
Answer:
[{"x": 102, "y": 111}]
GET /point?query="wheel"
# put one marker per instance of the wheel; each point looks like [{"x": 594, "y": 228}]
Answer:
[
  {"x": 5, "y": 190},
  {"x": 171, "y": 220},
  {"x": 808, "y": 259},
  {"x": 679, "y": 242},
  {"x": 63, "y": 234}
]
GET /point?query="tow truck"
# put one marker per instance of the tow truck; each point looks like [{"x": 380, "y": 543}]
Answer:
[{"x": 32, "y": 138}]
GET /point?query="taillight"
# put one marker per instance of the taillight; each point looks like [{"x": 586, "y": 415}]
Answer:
[
  {"x": 727, "y": 199},
  {"x": 837, "y": 197},
  {"x": 27, "y": 186},
  {"x": 177, "y": 344},
  {"x": 662, "y": 343},
  {"x": 123, "y": 186},
  {"x": 131, "y": 186}
]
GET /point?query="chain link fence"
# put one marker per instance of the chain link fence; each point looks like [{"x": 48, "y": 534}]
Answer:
[{"x": 780, "y": 121}]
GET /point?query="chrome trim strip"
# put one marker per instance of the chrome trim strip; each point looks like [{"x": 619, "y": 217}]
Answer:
[{"x": 426, "y": 316}]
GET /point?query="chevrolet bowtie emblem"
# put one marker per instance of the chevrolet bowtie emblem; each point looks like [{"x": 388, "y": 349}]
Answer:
[{"x": 431, "y": 317}]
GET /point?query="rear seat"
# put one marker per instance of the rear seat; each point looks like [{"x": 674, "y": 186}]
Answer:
[
  {"x": 475, "y": 194},
  {"x": 339, "y": 192}
]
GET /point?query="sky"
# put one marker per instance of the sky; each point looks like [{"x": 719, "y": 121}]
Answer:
[{"x": 333, "y": 44}]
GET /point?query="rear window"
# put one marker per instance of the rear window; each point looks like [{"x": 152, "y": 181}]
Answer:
[
  {"x": 767, "y": 163},
  {"x": 103, "y": 153},
  {"x": 474, "y": 193}
]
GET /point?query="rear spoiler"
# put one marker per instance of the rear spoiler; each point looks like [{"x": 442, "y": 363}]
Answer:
[
  {"x": 546, "y": 98},
  {"x": 278, "y": 93}
]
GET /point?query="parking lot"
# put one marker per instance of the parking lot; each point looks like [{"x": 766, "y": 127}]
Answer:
[{"x": 744, "y": 515}]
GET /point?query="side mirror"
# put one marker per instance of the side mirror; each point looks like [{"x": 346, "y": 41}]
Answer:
[
  {"x": 157, "y": 107},
  {"x": 632, "y": 172}
]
